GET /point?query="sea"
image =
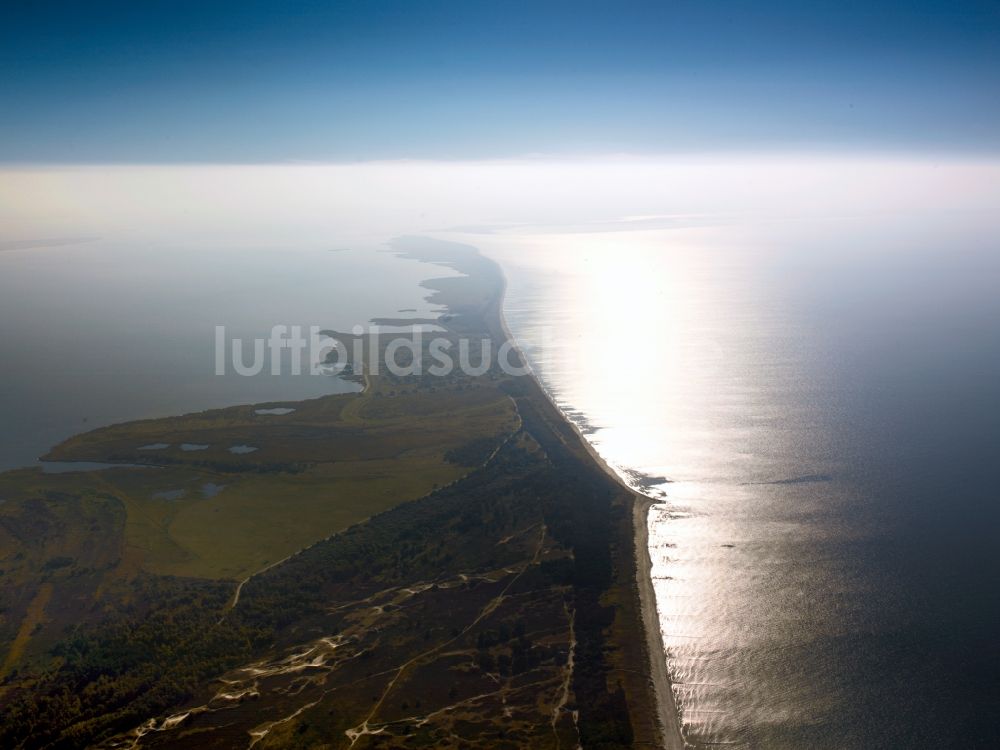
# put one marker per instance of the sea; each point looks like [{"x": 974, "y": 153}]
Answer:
[
  {"x": 98, "y": 332},
  {"x": 816, "y": 406}
]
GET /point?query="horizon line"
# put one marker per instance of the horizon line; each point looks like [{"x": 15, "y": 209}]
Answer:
[{"x": 840, "y": 153}]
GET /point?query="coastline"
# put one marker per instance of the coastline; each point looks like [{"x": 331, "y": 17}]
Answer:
[{"x": 668, "y": 715}]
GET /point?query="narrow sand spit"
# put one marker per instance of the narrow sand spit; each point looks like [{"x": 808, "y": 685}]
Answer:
[{"x": 668, "y": 716}]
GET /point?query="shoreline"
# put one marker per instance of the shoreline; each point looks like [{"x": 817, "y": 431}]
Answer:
[{"x": 668, "y": 715}]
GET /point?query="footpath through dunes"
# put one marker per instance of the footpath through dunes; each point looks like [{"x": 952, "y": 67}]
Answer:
[{"x": 479, "y": 590}]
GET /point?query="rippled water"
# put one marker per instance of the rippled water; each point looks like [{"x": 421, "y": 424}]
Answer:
[{"x": 818, "y": 405}]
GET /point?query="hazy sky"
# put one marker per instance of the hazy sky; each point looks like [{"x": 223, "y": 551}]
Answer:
[{"x": 252, "y": 81}]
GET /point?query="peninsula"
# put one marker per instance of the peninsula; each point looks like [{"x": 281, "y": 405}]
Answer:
[{"x": 438, "y": 561}]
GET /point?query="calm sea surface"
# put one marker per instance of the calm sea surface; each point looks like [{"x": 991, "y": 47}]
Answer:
[
  {"x": 818, "y": 405},
  {"x": 96, "y": 333}
]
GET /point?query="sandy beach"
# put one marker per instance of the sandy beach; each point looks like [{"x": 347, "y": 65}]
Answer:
[{"x": 669, "y": 717}]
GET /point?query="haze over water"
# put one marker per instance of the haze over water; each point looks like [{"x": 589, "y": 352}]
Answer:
[
  {"x": 100, "y": 332},
  {"x": 800, "y": 355}
]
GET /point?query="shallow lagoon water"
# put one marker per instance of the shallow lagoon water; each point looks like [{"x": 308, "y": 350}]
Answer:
[
  {"x": 70, "y": 467},
  {"x": 211, "y": 489},
  {"x": 170, "y": 494}
]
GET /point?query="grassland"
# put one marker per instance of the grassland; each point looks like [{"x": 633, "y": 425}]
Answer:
[{"x": 328, "y": 464}]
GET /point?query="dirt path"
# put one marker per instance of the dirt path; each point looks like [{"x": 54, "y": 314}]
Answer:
[
  {"x": 355, "y": 733},
  {"x": 32, "y": 617}
]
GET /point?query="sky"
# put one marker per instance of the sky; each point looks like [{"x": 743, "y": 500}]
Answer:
[{"x": 306, "y": 81}]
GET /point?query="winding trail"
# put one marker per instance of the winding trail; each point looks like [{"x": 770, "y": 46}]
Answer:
[
  {"x": 239, "y": 587},
  {"x": 32, "y": 617},
  {"x": 568, "y": 681},
  {"x": 355, "y": 733}
]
